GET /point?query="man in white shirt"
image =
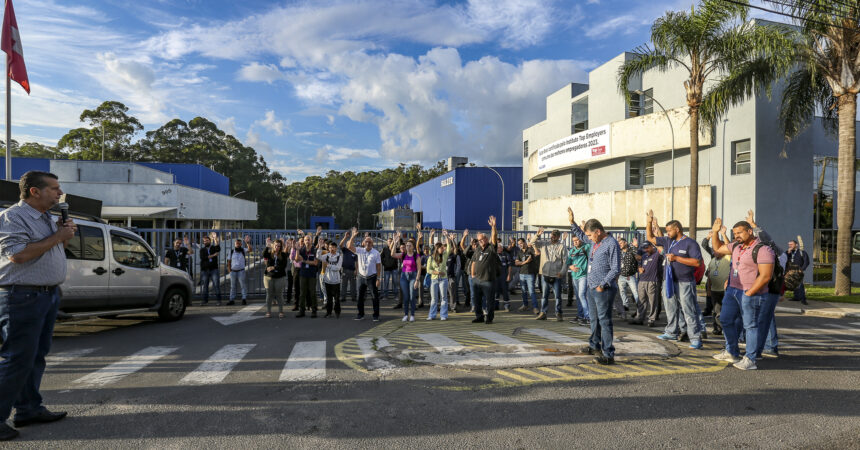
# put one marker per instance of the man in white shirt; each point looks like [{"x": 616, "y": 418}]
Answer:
[
  {"x": 238, "y": 263},
  {"x": 369, "y": 268}
]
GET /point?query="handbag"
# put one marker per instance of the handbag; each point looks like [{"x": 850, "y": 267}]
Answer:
[{"x": 793, "y": 279}]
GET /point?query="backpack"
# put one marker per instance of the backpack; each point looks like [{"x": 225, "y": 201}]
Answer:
[
  {"x": 699, "y": 274},
  {"x": 777, "y": 280}
]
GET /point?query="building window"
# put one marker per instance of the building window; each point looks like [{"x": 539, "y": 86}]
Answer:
[
  {"x": 741, "y": 163},
  {"x": 580, "y": 181},
  {"x": 525, "y": 149},
  {"x": 525, "y": 191},
  {"x": 648, "y": 172},
  {"x": 579, "y": 116},
  {"x": 634, "y": 173},
  {"x": 634, "y": 107},
  {"x": 648, "y": 101}
]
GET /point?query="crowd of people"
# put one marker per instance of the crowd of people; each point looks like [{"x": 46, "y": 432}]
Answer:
[{"x": 602, "y": 276}]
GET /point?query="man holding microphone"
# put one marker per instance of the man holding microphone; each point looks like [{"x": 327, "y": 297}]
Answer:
[{"x": 32, "y": 266}]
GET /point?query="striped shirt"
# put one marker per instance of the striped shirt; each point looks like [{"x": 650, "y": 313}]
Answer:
[
  {"x": 604, "y": 262},
  {"x": 21, "y": 225}
]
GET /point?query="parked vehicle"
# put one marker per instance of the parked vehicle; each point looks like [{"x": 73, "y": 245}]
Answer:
[{"x": 112, "y": 271}]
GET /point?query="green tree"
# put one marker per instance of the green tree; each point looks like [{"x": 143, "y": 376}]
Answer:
[
  {"x": 827, "y": 82},
  {"x": 727, "y": 58},
  {"x": 36, "y": 150},
  {"x": 111, "y": 126}
]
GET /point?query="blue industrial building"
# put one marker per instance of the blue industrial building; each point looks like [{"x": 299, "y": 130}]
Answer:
[{"x": 464, "y": 198}]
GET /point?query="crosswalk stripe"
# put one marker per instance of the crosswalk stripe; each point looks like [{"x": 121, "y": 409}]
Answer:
[
  {"x": 64, "y": 357},
  {"x": 553, "y": 336},
  {"x": 498, "y": 338},
  {"x": 441, "y": 342},
  {"x": 371, "y": 356},
  {"x": 126, "y": 366},
  {"x": 820, "y": 334},
  {"x": 843, "y": 327},
  {"x": 218, "y": 366},
  {"x": 583, "y": 330},
  {"x": 306, "y": 362}
]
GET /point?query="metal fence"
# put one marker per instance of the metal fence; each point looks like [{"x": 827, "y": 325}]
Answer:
[{"x": 162, "y": 240}]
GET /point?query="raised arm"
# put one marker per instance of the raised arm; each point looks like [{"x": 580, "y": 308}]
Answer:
[
  {"x": 574, "y": 228},
  {"x": 720, "y": 248},
  {"x": 394, "y": 246},
  {"x": 419, "y": 240},
  {"x": 494, "y": 234},
  {"x": 706, "y": 244},
  {"x": 463, "y": 239},
  {"x": 351, "y": 242},
  {"x": 535, "y": 237},
  {"x": 650, "y": 224},
  {"x": 346, "y": 235}
]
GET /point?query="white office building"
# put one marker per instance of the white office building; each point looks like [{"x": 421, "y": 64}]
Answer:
[{"x": 613, "y": 160}]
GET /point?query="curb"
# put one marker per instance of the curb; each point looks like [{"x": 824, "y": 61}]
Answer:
[{"x": 817, "y": 312}]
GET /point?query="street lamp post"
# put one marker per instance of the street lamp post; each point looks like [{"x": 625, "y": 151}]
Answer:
[
  {"x": 239, "y": 193},
  {"x": 503, "y": 194},
  {"x": 723, "y": 176},
  {"x": 672, "y": 129},
  {"x": 420, "y": 205}
]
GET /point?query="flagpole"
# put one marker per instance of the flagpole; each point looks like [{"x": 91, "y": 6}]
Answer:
[{"x": 8, "y": 123}]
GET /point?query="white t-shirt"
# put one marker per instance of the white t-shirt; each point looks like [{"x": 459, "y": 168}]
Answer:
[
  {"x": 332, "y": 270},
  {"x": 367, "y": 261},
  {"x": 237, "y": 260}
]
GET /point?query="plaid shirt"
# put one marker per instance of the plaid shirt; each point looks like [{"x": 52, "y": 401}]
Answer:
[
  {"x": 629, "y": 265},
  {"x": 604, "y": 263}
]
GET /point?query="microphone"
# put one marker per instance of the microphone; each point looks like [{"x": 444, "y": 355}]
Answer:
[{"x": 64, "y": 211}]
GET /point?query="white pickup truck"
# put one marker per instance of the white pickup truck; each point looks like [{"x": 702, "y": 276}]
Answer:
[{"x": 112, "y": 271}]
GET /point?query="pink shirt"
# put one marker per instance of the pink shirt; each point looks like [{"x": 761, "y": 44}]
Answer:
[
  {"x": 409, "y": 264},
  {"x": 744, "y": 270}
]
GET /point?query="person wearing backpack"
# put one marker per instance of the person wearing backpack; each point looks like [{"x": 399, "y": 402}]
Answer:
[
  {"x": 332, "y": 266},
  {"x": 238, "y": 263},
  {"x": 750, "y": 281}
]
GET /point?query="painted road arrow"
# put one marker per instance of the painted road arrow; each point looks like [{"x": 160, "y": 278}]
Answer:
[{"x": 244, "y": 315}]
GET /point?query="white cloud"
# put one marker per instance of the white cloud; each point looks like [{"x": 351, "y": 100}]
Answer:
[
  {"x": 255, "y": 71},
  {"x": 271, "y": 123},
  {"x": 607, "y": 28},
  {"x": 253, "y": 140},
  {"x": 227, "y": 125}
]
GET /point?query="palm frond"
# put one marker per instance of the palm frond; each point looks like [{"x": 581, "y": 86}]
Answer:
[{"x": 647, "y": 59}]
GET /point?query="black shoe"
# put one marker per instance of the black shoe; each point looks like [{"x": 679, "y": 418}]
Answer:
[
  {"x": 205, "y": 303},
  {"x": 299, "y": 315},
  {"x": 244, "y": 302},
  {"x": 604, "y": 361},
  {"x": 717, "y": 332},
  {"x": 478, "y": 320},
  {"x": 420, "y": 305},
  {"x": 398, "y": 306},
  {"x": 358, "y": 318},
  {"x": 635, "y": 322},
  {"x": 803, "y": 302},
  {"x": 8, "y": 433},
  {"x": 327, "y": 315},
  {"x": 683, "y": 338},
  {"x": 488, "y": 321},
  {"x": 296, "y": 308},
  {"x": 314, "y": 315},
  {"x": 231, "y": 303},
  {"x": 651, "y": 324},
  {"x": 43, "y": 417},
  {"x": 569, "y": 303},
  {"x": 586, "y": 349}
]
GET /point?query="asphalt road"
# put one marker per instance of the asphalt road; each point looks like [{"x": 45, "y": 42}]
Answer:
[{"x": 302, "y": 383}]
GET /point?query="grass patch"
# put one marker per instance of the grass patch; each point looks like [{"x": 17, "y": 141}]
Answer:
[{"x": 825, "y": 294}]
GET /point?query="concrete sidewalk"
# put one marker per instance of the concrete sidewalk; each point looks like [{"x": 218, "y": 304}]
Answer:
[{"x": 820, "y": 309}]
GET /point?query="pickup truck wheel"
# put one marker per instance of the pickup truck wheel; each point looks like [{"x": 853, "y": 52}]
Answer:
[{"x": 173, "y": 305}]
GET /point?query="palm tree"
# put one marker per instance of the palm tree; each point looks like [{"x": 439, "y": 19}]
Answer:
[
  {"x": 827, "y": 82},
  {"x": 717, "y": 45}
]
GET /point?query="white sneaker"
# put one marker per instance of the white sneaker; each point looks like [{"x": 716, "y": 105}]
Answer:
[
  {"x": 444, "y": 318},
  {"x": 746, "y": 364},
  {"x": 405, "y": 318},
  {"x": 429, "y": 318},
  {"x": 726, "y": 356},
  {"x": 412, "y": 318}
]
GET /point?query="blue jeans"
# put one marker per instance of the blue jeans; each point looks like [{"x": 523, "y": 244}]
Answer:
[
  {"x": 632, "y": 283},
  {"x": 238, "y": 277},
  {"x": 600, "y": 309},
  {"x": 738, "y": 308},
  {"x": 581, "y": 285},
  {"x": 26, "y": 327},
  {"x": 527, "y": 285},
  {"x": 210, "y": 274},
  {"x": 390, "y": 282},
  {"x": 556, "y": 288},
  {"x": 682, "y": 311},
  {"x": 767, "y": 321},
  {"x": 800, "y": 292},
  {"x": 438, "y": 288},
  {"x": 483, "y": 299},
  {"x": 410, "y": 294}
]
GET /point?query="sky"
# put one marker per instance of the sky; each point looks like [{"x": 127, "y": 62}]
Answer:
[{"x": 322, "y": 84}]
